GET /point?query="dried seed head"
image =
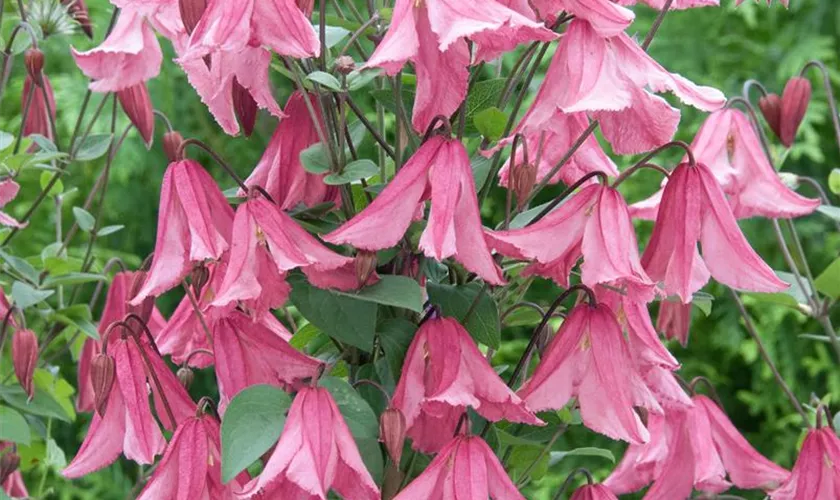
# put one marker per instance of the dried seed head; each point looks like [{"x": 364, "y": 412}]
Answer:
[
  {"x": 345, "y": 65},
  {"x": 25, "y": 358},
  {"x": 392, "y": 432},
  {"x": 102, "y": 374}
]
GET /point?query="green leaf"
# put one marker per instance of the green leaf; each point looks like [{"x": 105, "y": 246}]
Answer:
[
  {"x": 353, "y": 171},
  {"x": 45, "y": 143},
  {"x": 360, "y": 79},
  {"x": 78, "y": 316},
  {"x": 397, "y": 291},
  {"x": 334, "y": 35},
  {"x": 20, "y": 266},
  {"x": 71, "y": 279},
  {"x": 325, "y": 79},
  {"x": 349, "y": 319},
  {"x": 55, "y": 456},
  {"x": 6, "y": 140},
  {"x": 315, "y": 159},
  {"x": 24, "y": 295},
  {"x": 105, "y": 231},
  {"x": 833, "y": 212},
  {"x": 703, "y": 301},
  {"x": 792, "y": 297},
  {"x": 483, "y": 323},
  {"x": 58, "y": 388},
  {"x": 481, "y": 171},
  {"x": 833, "y": 180},
  {"x": 588, "y": 451},
  {"x": 385, "y": 97},
  {"x": 491, "y": 123},
  {"x": 84, "y": 219},
  {"x": 253, "y": 422},
  {"x": 395, "y": 335},
  {"x": 93, "y": 146},
  {"x": 42, "y": 404},
  {"x": 56, "y": 188},
  {"x": 13, "y": 426},
  {"x": 523, "y": 316},
  {"x": 483, "y": 95},
  {"x": 828, "y": 282}
]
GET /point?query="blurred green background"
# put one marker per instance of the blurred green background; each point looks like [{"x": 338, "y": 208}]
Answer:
[{"x": 721, "y": 47}]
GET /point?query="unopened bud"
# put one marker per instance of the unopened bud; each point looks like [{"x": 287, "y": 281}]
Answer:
[
  {"x": 102, "y": 373},
  {"x": 185, "y": 376},
  {"x": 34, "y": 62},
  {"x": 172, "y": 146},
  {"x": 345, "y": 65},
  {"x": 365, "y": 266},
  {"x": 8, "y": 464},
  {"x": 245, "y": 108},
  {"x": 771, "y": 108},
  {"x": 144, "y": 310},
  {"x": 79, "y": 12},
  {"x": 191, "y": 12},
  {"x": 522, "y": 180},
  {"x": 795, "y": 100},
  {"x": 25, "y": 358},
  {"x": 392, "y": 432},
  {"x": 199, "y": 277},
  {"x": 137, "y": 105}
]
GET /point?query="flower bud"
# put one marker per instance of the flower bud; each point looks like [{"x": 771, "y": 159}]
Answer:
[
  {"x": 365, "y": 266},
  {"x": 795, "y": 100},
  {"x": 771, "y": 108},
  {"x": 522, "y": 180},
  {"x": 306, "y": 6},
  {"x": 8, "y": 464},
  {"x": 199, "y": 277},
  {"x": 79, "y": 12},
  {"x": 345, "y": 65},
  {"x": 144, "y": 310},
  {"x": 137, "y": 105},
  {"x": 102, "y": 373},
  {"x": 24, "y": 359},
  {"x": 172, "y": 146},
  {"x": 185, "y": 376},
  {"x": 33, "y": 59},
  {"x": 245, "y": 108},
  {"x": 392, "y": 432},
  {"x": 191, "y": 12}
]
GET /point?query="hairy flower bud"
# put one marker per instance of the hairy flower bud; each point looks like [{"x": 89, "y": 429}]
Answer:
[
  {"x": 191, "y": 12},
  {"x": 795, "y": 100},
  {"x": 345, "y": 65},
  {"x": 392, "y": 432},
  {"x": 24, "y": 359},
  {"x": 365, "y": 266},
  {"x": 172, "y": 146},
  {"x": 522, "y": 180},
  {"x": 79, "y": 12},
  {"x": 33, "y": 59},
  {"x": 102, "y": 373},
  {"x": 137, "y": 105},
  {"x": 185, "y": 376},
  {"x": 771, "y": 108},
  {"x": 245, "y": 108},
  {"x": 8, "y": 464}
]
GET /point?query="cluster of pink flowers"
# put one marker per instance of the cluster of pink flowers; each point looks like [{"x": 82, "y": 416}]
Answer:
[{"x": 607, "y": 358}]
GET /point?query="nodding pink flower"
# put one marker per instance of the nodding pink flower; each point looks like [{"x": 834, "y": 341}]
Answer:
[
  {"x": 607, "y": 18},
  {"x": 122, "y": 290},
  {"x": 440, "y": 170},
  {"x": 465, "y": 468},
  {"x": 40, "y": 110},
  {"x": 280, "y": 171},
  {"x": 247, "y": 352},
  {"x": 129, "y": 426},
  {"x": 137, "y": 105},
  {"x": 589, "y": 358},
  {"x": 191, "y": 465},
  {"x": 679, "y": 4},
  {"x": 593, "y": 223},
  {"x": 433, "y": 35},
  {"x": 443, "y": 374},
  {"x": 549, "y": 141},
  {"x": 315, "y": 454},
  {"x": 12, "y": 484},
  {"x": 694, "y": 209},
  {"x": 194, "y": 225},
  {"x": 816, "y": 473},
  {"x": 608, "y": 77},
  {"x": 674, "y": 320},
  {"x": 8, "y": 192},
  {"x": 129, "y": 56},
  {"x": 593, "y": 492}
]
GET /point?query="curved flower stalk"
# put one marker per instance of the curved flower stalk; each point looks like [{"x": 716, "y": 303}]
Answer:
[
  {"x": 315, "y": 454},
  {"x": 444, "y": 373},
  {"x": 440, "y": 171},
  {"x": 434, "y": 35}
]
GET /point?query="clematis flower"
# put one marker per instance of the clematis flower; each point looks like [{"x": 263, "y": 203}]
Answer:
[
  {"x": 694, "y": 209},
  {"x": 315, "y": 454},
  {"x": 433, "y": 35},
  {"x": 40, "y": 110},
  {"x": 129, "y": 426},
  {"x": 674, "y": 320},
  {"x": 280, "y": 171},
  {"x": 8, "y": 192},
  {"x": 123, "y": 287},
  {"x": 816, "y": 473},
  {"x": 607, "y": 18},
  {"x": 191, "y": 465},
  {"x": 129, "y": 56},
  {"x": 440, "y": 170},
  {"x": 589, "y": 358},
  {"x": 465, "y": 468},
  {"x": 444, "y": 372},
  {"x": 593, "y": 492},
  {"x": 247, "y": 352},
  {"x": 608, "y": 77},
  {"x": 593, "y": 223},
  {"x": 194, "y": 224}
]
